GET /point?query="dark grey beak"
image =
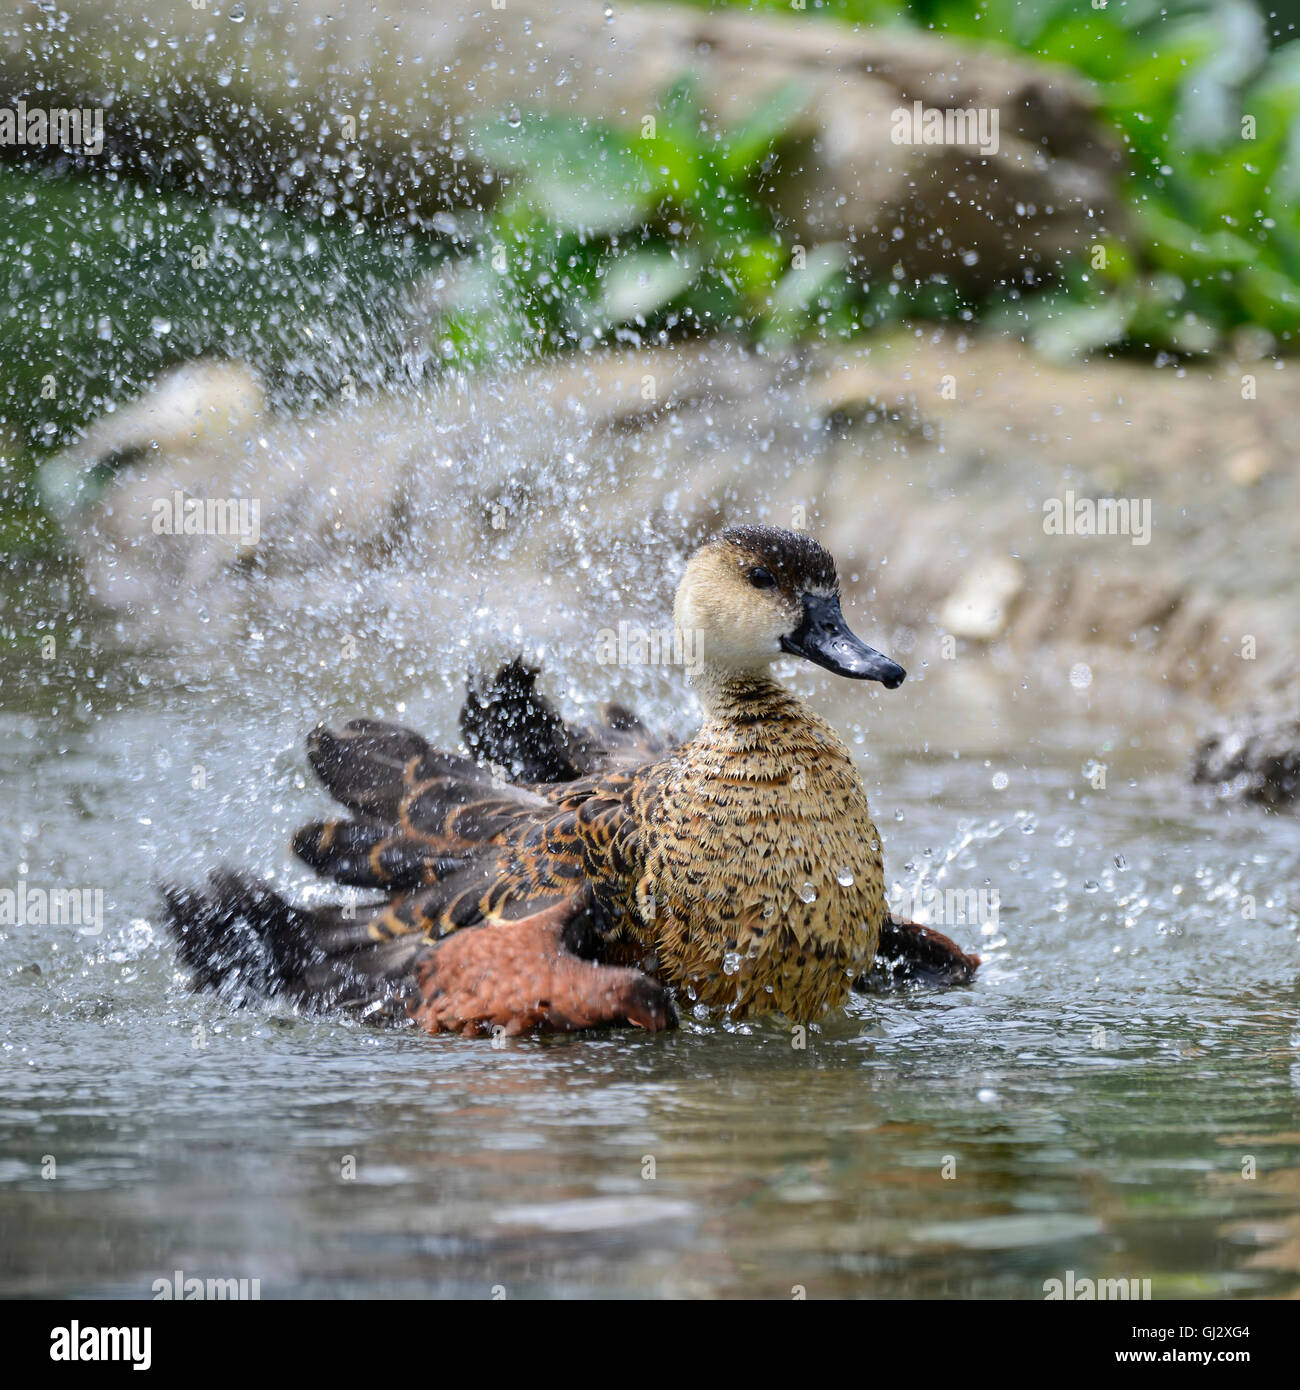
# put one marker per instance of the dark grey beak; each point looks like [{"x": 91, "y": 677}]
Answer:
[{"x": 825, "y": 638}]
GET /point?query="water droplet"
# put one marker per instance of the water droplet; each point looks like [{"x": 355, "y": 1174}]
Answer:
[
  {"x": 1081, "y": 676},
  {"x": 237, "y": 14},
  {"x": 845, "y": 878},
  {"x": 1001, "y": 781},
  {"x": 808, "y": 893}
]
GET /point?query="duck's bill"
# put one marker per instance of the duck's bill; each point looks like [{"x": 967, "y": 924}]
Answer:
[{"x": 826, "y": 639}]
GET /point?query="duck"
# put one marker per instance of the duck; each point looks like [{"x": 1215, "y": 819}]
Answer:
[{"x": 560, "y": 876}]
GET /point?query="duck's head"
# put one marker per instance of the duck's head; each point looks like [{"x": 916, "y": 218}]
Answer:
[{"x": 756, "y": 593}]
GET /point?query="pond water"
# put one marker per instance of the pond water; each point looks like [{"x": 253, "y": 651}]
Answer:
[{"x": 1117, "y": 1095}]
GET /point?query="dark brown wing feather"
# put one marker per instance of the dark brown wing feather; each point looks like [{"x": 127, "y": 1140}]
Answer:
[
  {"x": 240, "y": 937},
  {"x": 507, "y": 722}
]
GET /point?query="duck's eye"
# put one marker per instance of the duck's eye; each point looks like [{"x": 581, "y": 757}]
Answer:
[{"x": 761, "y": 577}]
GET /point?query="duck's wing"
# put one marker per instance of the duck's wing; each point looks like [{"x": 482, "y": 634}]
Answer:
[
  {"x": 494, "y": 895},
  {"x": 529, "y": 975},
  {"x": 419, "y": 815},
  {"x": 507, "y": 722},
  {"x": 459, "y": 845},
  {"x": 502, "y": 903}
]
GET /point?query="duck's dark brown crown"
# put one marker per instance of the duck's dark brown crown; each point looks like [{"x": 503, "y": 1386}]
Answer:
[{"x": 797, "y": 561}]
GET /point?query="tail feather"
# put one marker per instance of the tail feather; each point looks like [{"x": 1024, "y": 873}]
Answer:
[{"x": 240, "y": 937}]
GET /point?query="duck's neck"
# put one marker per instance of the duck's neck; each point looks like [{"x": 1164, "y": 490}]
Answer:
[{"x": 730, "y": 696}]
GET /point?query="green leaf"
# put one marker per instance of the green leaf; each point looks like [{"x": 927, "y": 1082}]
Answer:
[
  {"x": 582, "y": 175},
  {"x": 798, "y": 290},
  {"x": 640, "y": 283},
  {"x": 670, "y": 170},
  {"x": 1154, "y": 80},
  {"x": 1271, "y": 298},
  {"x": 1063, "y": 330},
  {"x": 749, "y": 141},
  {"x": 1177, "y": 246}
]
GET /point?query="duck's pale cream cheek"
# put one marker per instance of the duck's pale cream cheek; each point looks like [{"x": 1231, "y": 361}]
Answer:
[
  {"x": 732, "y": 623},
  {"x": 757, "y": 646},
  {"x": 737, "y": 634}
]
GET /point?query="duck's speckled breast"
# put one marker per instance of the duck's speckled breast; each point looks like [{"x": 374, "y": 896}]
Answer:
[{"x": 763, "y": 886}]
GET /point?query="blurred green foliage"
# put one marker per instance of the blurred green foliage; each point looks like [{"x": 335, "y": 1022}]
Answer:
[
  {"x": 1205, "y": 96},
  {"x": 609, "y": 231},
  {"x": 639, "y": 233}
]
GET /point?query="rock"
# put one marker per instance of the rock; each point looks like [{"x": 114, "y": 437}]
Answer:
[
  {"x": 1253, "y": 757},
  {"x": 1248, "y": 465},
  {"x": 198, "y": 406},
  {"x": 980, "y": 607}
]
